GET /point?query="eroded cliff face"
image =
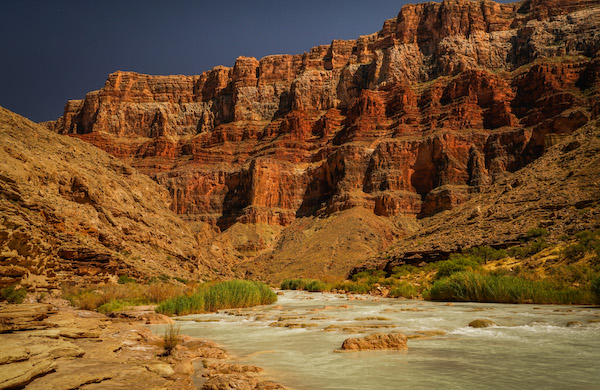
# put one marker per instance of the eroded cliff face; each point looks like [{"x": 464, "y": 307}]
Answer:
[{"x": 447, "y": 99}]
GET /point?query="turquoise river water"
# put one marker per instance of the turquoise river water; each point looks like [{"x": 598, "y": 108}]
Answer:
[{"x": 531, "y": 346}]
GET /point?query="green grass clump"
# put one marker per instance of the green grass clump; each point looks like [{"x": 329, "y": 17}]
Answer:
[
  {"x": 13, "y": 295},
  {"x": 295, "y": 284},
  {"x": 211, "y": 297},
  {"x": 473, "y": 287}
]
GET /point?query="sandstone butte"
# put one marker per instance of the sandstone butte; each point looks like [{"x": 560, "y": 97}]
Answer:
[{"x": 459, "y": 123}]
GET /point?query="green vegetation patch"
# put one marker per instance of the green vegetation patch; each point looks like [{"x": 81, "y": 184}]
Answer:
[
  {"x": 210, "y": 297},
  {"x": 113, "y": 297},
  {"x": 473, "y": 287},
  {"x": 12, "y": 294}
]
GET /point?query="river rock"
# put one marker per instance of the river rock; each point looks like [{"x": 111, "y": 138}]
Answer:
[
  {"x": 163, "y": 369},
  {"x": 376, "y": 341},
  {"x": 485, "y": 323}
]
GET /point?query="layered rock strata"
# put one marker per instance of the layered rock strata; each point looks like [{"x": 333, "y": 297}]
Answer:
[
  {"x": 446, "y": 100},
  {"x": 447, "y": 97}
]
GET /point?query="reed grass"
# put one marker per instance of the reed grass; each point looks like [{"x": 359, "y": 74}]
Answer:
[
  {"x": 473, "y": 287},
  {"x": 210, "y": 297},
  {"x": 112, "y": 297}
]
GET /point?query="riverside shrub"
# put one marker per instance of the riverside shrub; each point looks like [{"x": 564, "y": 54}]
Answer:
[
  {"x": 456, "y": 263},
  {"x": 405, "y": 290}
]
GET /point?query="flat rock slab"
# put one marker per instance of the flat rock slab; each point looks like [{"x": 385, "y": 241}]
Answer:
[
  {"x": 19, "y": 374},
  {"x": 79, "y": 333},
  {"x": 100, "y": 374},
  {"x": 24, "y": 317}
]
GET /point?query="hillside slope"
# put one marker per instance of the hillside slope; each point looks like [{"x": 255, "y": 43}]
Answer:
[
  {"x": 71, "y": 212},
  {"x": 559, "y": 192}
]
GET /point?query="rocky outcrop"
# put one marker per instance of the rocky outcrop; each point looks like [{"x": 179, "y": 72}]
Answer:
[
  {"x": 416, "y": 119},
  {"x": 557, "y": 192},
  {"x": 376, "y": 341},
  {"x": 78, "y": 348}
]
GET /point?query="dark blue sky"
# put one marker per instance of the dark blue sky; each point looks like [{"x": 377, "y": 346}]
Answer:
[{"x": 53, "y": 51}]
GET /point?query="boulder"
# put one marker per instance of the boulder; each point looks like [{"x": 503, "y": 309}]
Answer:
[
  {"x": 394, "y": 341},
  {"x": 485, "y": 323}
]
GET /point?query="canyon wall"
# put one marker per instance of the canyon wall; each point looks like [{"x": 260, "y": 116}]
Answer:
[{"x": 447, "y": 99}]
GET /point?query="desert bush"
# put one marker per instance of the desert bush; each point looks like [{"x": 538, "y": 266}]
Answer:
[
  {"x": 171, "y": 338},
  {"x": 353, "y": 287},
  {"x": 111, "y": 297},
  {"x": 528, "y": 250},
  {"x": 573, "y": 273},
  {"x": 370, "y": 275},
  {"x": 158, "y": 292},
  {"x": 486, "y": 253},
  {"x": 11, "y": 294},
  {"x": 405, "y": 290},
  {"x": 536, "y": 232},
  {"x": 404, "y": 270},
  {"x": 456, "y": 263},
  {"x": 574, "y": 251},
  {"x": 317, "y": 286},
  {"x": 472, "y": 287}
]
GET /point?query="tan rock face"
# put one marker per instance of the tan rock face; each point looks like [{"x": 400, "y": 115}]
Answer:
[
  {"x": 447, "y": 99},
  {"x": 72, "y": 213}
]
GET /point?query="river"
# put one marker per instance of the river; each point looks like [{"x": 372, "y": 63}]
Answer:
[{"x": 530, "y": 347}]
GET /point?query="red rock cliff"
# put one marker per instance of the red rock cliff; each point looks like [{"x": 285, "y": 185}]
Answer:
[{"x": 411, "y": 120}]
